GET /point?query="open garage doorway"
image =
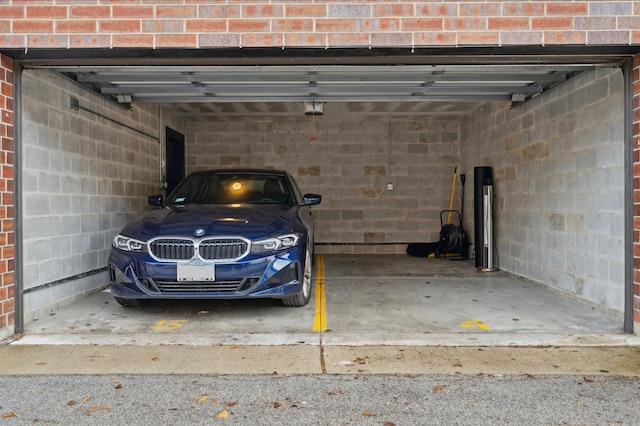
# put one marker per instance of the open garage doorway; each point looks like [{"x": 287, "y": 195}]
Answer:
[{"x": 553, "y": 134}]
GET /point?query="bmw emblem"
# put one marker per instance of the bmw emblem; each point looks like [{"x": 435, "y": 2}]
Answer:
[{"x": 199, "y": 232}]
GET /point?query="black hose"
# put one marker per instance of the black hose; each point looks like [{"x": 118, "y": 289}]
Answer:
[{"x": 451, "y": 238}]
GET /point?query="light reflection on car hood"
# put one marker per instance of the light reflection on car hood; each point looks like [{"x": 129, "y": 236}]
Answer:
[{"x": 249, "y": 221}]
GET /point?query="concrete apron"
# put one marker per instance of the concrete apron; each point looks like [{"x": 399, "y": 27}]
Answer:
[{"x": 371, "y": 314}]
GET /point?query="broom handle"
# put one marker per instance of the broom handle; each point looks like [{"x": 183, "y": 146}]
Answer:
[
  {"x": 453, "y": 190},
  {"x": 462, "y": 179}
]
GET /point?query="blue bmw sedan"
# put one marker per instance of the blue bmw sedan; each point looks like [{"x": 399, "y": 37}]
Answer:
[{"x": 221, "y": 234}]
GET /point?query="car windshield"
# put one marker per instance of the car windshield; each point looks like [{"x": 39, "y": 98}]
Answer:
[{"x": 231, "y": 189}]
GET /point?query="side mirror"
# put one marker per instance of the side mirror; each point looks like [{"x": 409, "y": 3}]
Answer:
[
  {"x": 155, "y": 200},
  {"x": 311, "y": 199}
]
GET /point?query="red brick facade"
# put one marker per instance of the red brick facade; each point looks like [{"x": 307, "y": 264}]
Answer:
[
  {"x": 636, "y": 189},
  {"x": 317, "y": 23},
  {"x": 6, "y": 193},
  {"x": 65, "y": 24}
]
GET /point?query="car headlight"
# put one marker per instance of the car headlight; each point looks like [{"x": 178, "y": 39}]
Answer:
[
  {"x": 125, "y": 243},
  {"x": 276, "y": 243}
]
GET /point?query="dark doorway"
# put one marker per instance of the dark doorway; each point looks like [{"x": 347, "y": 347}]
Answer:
[{"x": 175, "y": 158}]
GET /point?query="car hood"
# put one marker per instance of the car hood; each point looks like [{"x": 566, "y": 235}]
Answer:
[{"x": 249, "y": 221}]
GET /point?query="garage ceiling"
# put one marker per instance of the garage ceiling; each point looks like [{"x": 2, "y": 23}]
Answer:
[{"x": 199, "y": 93}]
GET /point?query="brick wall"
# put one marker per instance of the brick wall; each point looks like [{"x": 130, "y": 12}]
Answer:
[
  {"x": 319, "y": 23},
  {"x": 6, "y": 194},
  {"x": 558, "y": 173},
  {"x": 636, "y": 188}
]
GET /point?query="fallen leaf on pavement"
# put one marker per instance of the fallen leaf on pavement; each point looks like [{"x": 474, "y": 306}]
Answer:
[
  {"x": 223, "y": 414},
  {"x": 92, "y": 410},
  {"x": 335, "y": 392},
  {"x": 438, "y": 388}
]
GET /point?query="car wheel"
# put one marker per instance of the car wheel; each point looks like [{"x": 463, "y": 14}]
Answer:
[
  {"x": 132, "y": 303},
  {"x": 302, "y": 299}
]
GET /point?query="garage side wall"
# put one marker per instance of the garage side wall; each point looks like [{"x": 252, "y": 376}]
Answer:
[
  {"x": 351, "y": 165},
  {"x": 85, "y": 173},
  {"x": 559, "y": 184}
]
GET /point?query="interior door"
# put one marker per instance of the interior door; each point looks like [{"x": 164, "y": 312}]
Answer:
[{"x": 175, "y": 158}]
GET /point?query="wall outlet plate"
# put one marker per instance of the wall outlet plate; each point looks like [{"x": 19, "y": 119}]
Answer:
[{"x": 389, "y": 187}]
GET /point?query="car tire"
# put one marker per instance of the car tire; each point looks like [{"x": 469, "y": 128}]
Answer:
[
  {"x": 313, "y": 252},
  {"x": 132, "y": 303},
  {"x": 302, "y": 299}
]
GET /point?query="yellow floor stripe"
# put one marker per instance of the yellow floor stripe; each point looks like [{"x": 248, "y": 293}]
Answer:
[
  {"x": 320, "y": 321},
  {"x": 474, "y": 324}
]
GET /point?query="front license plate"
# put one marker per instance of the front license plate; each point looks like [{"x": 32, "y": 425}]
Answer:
[{"x": 196, "y": 271}]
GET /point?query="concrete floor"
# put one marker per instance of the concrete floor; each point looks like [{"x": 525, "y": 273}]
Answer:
[{"x": 371, "y": 300}]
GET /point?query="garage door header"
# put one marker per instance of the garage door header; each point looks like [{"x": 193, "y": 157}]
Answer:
[{"x": 477, "y": 83}]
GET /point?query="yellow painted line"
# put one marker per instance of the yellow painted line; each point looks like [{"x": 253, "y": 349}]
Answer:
[
  {"x": 169, "y": 325},
  {"x": 474, "y": 324},
  {"x": 320, "y": 321}
]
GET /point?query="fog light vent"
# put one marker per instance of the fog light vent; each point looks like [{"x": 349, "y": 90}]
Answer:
[{"x": 291, "y": 274}]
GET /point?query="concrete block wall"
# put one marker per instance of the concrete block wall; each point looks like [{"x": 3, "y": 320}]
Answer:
[
  {"x": 83, "y": 177},
  {"x": 350, "y": 165},
  {"x": 558, "y": 179}
]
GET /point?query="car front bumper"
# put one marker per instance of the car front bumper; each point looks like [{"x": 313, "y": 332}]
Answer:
[{"x": 276, "y": 275}]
